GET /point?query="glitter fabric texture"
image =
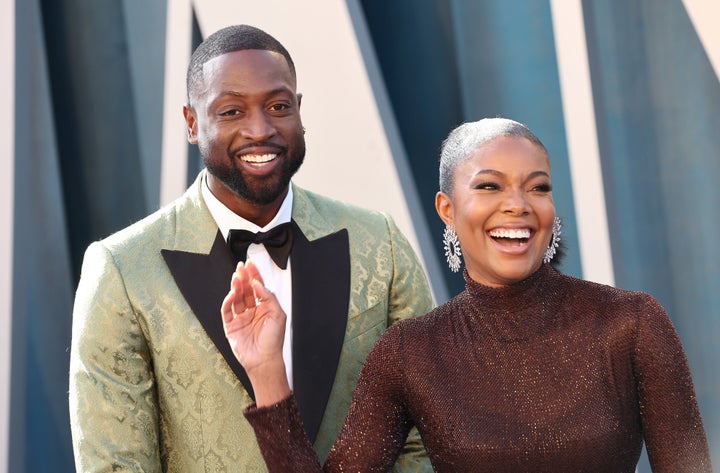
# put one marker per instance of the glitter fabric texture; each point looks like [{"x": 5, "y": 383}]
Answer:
[{"x": 553, "y": 374}]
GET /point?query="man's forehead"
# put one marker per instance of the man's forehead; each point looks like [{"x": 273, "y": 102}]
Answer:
[
  {"x": 244, "y": 56},
  {"x": 257, "y": 65}
]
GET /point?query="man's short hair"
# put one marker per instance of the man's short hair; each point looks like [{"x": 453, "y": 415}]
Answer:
[{"x": 227, "y": 40}]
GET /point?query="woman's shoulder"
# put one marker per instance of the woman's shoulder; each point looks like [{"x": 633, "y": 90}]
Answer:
[
  {"x": 609, "y": 302},
  {"x": 603, "y": 293}
]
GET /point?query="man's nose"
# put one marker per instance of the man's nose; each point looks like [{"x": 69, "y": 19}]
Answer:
[{"x": 257, "y": 126}]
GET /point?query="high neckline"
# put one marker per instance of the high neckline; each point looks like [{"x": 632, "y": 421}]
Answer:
[{"x": 519, "y": 312}]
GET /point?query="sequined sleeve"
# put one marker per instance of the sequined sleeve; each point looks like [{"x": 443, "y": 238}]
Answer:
[
  {"x": 282, "y": 439},
  {"x": 671, "y": 422},
  {"x": 374, "y": 431}
]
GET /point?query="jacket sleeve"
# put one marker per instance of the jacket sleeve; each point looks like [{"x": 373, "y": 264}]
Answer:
[
  {"x": 113, "y": 409},
  {"x": 410, "y": 296},
  {"x": 673, "y": 431}
]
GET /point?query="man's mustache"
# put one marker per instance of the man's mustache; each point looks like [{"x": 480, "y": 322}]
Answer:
[{"x": 259, "y": 144}]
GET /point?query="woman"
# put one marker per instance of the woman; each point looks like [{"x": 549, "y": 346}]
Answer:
[{"x": 525, "y": 370}]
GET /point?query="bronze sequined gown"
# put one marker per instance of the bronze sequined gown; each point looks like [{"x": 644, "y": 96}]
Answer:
[{"x": 553, "y": 374}]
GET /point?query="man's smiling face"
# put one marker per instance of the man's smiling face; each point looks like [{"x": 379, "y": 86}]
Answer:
[{"x": 245, "y": 118}]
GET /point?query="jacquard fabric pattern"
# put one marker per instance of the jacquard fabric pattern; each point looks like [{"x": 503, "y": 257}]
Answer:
[{"x": 553, "y": 374}]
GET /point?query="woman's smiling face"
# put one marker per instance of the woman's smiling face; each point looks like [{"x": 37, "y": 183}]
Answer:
[{"x": 502, "y": 209}]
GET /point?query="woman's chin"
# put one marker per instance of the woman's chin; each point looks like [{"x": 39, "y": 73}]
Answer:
[{"x": 511, "y": 272}]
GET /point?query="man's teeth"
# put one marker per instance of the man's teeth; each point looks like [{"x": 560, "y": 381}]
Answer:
[
  {"x": 258, "y": 158},
  {"x": 510, "y": 233}
]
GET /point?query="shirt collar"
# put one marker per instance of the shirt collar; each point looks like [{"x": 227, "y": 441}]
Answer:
[{"x": 226, "y": 219}]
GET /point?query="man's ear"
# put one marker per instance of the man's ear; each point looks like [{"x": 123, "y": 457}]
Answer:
[
  {"x": 299, "y": 99},
  {"x": 190, "y": 123},
  {"x": 444, "y": 208}
]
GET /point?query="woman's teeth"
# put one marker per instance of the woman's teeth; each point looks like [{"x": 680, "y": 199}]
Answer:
[{"x": 514, "y": 233}]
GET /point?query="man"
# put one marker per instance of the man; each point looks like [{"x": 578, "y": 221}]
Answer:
[{"x": 154, "y": 385}]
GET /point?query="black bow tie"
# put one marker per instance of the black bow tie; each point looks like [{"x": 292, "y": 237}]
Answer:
[{"x": 278, "y": 243}]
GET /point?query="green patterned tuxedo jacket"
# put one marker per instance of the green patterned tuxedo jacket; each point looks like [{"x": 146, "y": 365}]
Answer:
[{"x": 154, "y": 385}]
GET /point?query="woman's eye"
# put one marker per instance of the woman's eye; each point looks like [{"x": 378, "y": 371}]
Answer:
[
  {"x": 487, "y": 186},
  {"x": 542, "y": 188}
]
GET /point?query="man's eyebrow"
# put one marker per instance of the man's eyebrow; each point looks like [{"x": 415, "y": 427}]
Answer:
[{"x": 275, "y": 91}]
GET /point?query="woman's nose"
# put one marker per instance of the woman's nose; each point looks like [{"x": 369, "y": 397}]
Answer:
[{"x": 516, "y": 203}]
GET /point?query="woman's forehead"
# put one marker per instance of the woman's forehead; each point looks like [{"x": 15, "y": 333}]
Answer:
[{"x": 509, "y": 152}]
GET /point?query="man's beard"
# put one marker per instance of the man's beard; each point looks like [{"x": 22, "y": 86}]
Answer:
[{"x": 261, "y": 191}]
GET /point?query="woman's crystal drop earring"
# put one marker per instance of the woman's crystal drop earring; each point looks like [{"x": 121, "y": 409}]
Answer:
[
  {"x": 452, "y": 248},
  {"x": 554, "y": 241}
]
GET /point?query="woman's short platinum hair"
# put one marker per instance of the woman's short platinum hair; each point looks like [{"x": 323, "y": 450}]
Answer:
[{"x": 466, "y": 138}]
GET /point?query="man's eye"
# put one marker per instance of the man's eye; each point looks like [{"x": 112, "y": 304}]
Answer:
[
  {"x": 280, "y": 107},
  {"x": 230, "y": 113},
  {"x": 489, "y": 186}
]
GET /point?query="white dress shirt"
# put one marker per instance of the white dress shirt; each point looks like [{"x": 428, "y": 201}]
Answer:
[{"x": 279, "y": 281}]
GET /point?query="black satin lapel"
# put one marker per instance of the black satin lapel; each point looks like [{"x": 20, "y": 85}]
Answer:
[
  {"x": 321, "y": 296},
  {"x": 204, "y": 280}
]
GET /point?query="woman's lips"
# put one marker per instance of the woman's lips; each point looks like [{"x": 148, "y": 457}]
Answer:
[{"x": 515, "y": 240}]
